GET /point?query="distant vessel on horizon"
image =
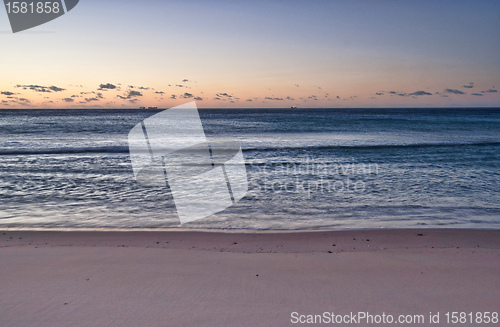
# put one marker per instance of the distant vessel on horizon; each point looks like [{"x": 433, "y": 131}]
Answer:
[
  {"x": 293, "y": 107},
  {"x": 148, "y": 108}
]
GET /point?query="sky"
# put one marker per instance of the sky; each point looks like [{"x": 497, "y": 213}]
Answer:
[{"x": 259, "y": 54}]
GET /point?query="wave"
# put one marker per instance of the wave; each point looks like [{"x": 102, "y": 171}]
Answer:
[
  {"x": 373, "y": 146},
  {"x": 79, "y": 150},
  {"x": 125, "y": 149}
]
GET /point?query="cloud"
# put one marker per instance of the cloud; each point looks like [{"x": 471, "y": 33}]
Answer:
[
  {"x": 91, "y": 99},
  {"x": 143, "y": 88},
  {"x": 68, "y": 99},
  {"x": 470, "y": 86},
  {"x": 186, "y": 95},
  {"x": 7, "y": 93},
  {"x": 453, "y": 91},
  {"x": 198, "y": 98},
  {"x": 179, "y": 85},
  {"x": 56, "y": 89},
  {"x": 99, "y": 95},
  {"x": 133, "y": 100},
  {"x": 131, "y": 94},
  {"x": 297, "y": 85},
  {"x": 393, "y": 92},
  {"x": 40, "y": 88},
  {"x": 477, "y": 94},
  {"x": 173, "y": 96},
  {"x": 420, "y": 93},
  {"x": 107, "y": 86},
  {"x": 32, "y": 87},
  {"x": 490, "y": 91},
  {"x": 19, "y": 101},
  {"x": 224, "y": 95},
  {"x": 274, "y": 99},
  {"x": 160, "y": 92},
  {"x": 249, "y": 100},
  {"x": 185, "y": 80},
  {"x": 290, "y": 98},
  {"x": 379, "y": 93}
]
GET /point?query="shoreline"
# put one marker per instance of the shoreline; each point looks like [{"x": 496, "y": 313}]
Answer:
[
  {"x": 223, "y": 230},
  {"x": 260, "y": 241}
]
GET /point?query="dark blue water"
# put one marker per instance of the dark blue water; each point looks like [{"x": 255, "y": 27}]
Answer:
[{"x": 307, "y": 168}]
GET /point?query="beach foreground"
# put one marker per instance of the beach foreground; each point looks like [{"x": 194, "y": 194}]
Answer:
[{"x": 111, "y": 278}]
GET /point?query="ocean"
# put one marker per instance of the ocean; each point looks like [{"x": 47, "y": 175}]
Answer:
[{"x": 308, "y": 169}]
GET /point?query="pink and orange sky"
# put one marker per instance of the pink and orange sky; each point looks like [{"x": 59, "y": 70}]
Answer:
[{"x": 126, "y": 54}]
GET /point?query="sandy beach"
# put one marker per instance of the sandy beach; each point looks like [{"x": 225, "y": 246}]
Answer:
[{"x": 213, "y": 278}]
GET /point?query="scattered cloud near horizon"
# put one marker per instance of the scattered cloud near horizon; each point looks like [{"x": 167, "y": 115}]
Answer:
[
  {"x": 39, "y": 88},
  {"x": 107, "y": 86},
  {"x": 102, "y": 95}
]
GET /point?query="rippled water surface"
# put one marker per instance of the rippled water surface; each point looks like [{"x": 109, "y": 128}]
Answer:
[{"x": 307, "y": 168}]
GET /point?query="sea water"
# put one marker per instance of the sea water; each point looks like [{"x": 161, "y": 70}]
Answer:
[{"x": 307, "y": 169}]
